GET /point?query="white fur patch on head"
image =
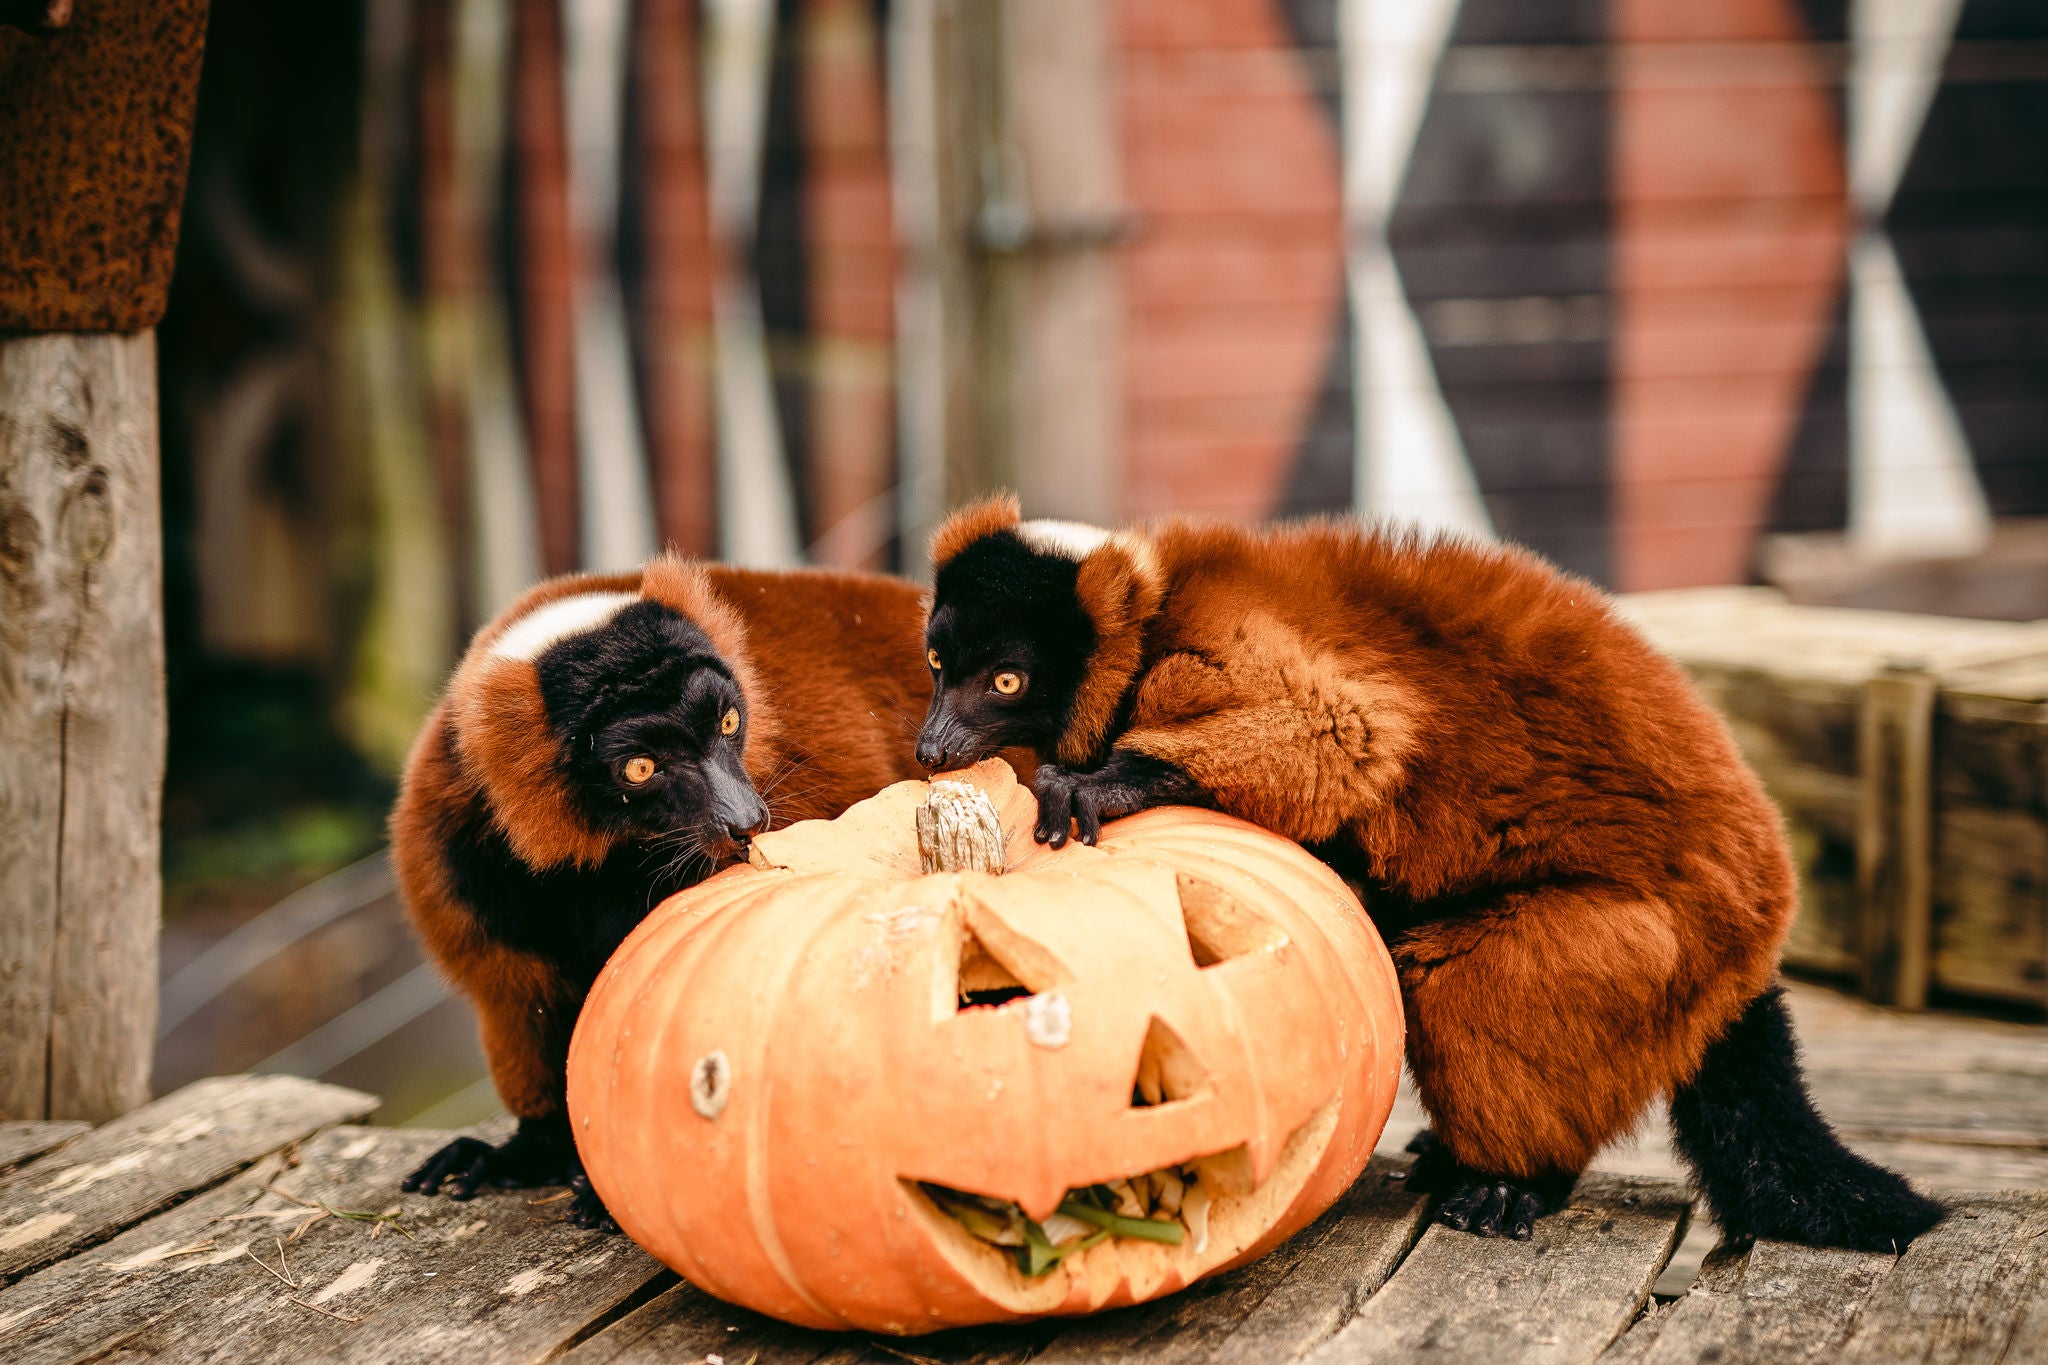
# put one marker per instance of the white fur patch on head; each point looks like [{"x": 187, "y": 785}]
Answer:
[
  {"x": 1065, "y": 539},
  {"x": 532, "y": 633}
]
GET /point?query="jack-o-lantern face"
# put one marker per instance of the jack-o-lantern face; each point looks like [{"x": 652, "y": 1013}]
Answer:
[{"x": 783, "y": 1077}]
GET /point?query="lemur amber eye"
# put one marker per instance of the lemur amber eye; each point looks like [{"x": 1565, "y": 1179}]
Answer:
[
  {"x": 729, "y": 723},
  {"x": 1009, "y": 684},
  {"x": 639, "y": 768},
  {"x": 931, "y": 656}
]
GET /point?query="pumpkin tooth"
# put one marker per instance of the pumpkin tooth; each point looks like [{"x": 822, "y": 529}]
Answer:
[{"x": 1194, "y": 1212}]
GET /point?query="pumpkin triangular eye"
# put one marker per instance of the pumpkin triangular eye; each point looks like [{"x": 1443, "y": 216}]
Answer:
[
  {"x": 1221, "y": 927},
  {"x": 984, "y": 981},
  {"x": 1167, "y": 1069}
]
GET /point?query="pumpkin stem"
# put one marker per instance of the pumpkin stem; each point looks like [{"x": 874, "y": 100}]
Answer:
[{"x": 957, "y": 829}]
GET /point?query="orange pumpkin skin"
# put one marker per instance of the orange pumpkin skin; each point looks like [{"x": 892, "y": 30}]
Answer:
[{"x": 824, "y": 976}]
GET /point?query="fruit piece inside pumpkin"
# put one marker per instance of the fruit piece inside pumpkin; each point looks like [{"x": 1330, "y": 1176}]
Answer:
[{"x": 1176, "y": 1223}]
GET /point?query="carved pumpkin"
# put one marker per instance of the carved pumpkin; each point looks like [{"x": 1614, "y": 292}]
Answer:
[{"x": 784, "y": 1076}]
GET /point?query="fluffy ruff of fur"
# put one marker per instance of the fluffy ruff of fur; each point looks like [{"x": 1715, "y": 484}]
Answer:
[
  {"x": 519, "y": 899},
  {"x": 1581, "y": 882}
]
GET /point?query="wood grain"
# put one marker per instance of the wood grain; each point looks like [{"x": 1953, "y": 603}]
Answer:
[
  {"x": 1895, "y": 834},
  {"x": 500, "y": 1278},
  {"x": 683, "y": 1323},
  {"x": 123, "y": 1171},
  {"x": 25, "y": 1141},
  {"x": 1773, "y": 1303},
  {"x": 1564, "y": 1295},
  {"x": 1973, "y": 1289},
  {"x": 81, "y": 723},
  {"x": 1276, "y": 1308}
]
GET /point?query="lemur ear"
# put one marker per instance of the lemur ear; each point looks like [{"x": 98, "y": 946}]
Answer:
[
  {"x": 999, "y": 512},
  {"x": 1119, "y": 584},
  {"x": 685, "y": 585}
]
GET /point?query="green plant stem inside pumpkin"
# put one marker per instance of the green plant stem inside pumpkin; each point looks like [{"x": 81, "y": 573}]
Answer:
[{"x": 1167, "y": 1206}]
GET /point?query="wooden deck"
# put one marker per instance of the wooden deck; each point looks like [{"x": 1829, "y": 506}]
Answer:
[{"x": 241, "y": 1218}]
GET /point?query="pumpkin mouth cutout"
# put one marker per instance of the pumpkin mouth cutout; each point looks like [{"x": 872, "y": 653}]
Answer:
[{"x": 1224, "y": 1219}]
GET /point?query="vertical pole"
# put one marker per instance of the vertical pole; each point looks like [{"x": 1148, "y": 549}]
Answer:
[
  {"x": 81, "y": 722},
  {"x": 1051, "y": 225},
  {"x": 546, "y": 252},
  {"x": 97, "y": 104},
  {"x": 1009, "y": 203}
]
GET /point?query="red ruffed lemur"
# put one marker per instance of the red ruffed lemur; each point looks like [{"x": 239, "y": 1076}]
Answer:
[
  {"x": 1583, "y": 886},
  {"x": 605, "y": 742}
]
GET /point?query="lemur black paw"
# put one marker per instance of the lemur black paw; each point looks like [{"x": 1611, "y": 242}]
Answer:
[
  {"x": 1078, "y": 803},
  {"x": 1489, "y": 1205},
  {"x": 1490, "y": 1210},
  {"x": 536, "y": 1155},
  {"x": 586, "y": 1210}
]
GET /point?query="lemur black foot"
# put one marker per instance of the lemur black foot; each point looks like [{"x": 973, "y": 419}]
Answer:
[
  {"x": 586, "y": 1210},
  {"x": 539, "y": 1153},
  {"x": 1494, "y": 1208},
  {"x": 1080, "y": 802},
  {"x": 1473, "y": 1201}
]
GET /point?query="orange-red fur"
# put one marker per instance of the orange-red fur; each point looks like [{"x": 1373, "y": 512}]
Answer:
[
  {"x": 1581, "y": 881},
  {"x": 831, "y": 669}
]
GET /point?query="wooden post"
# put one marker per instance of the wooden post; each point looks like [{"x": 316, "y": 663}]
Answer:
[
  {"x": 98, "y": 116},
  {"x": 1051, "y": 227},
  {"x": 81, "y": 722},
  {"x": 1010, "y": 206},
  {"x": 1895, "y": 834}
]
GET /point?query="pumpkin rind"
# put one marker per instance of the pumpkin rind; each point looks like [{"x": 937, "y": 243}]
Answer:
[{"x": 825, "y": 974}]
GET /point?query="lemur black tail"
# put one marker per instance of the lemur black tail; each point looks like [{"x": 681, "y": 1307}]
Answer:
[{"x": 1769, "y": 1165}]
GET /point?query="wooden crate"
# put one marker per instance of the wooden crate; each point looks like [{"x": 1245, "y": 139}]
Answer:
[{"x": 1910, "y": 756}]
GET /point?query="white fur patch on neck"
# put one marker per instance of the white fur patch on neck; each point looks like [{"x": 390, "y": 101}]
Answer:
[
  {"x": 532, "y": 633},
  {"x": 1065, "y": 539}
]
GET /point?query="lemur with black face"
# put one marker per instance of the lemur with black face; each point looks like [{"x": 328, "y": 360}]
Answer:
[
  {"x": 606, "y": 742},
  {"x": 1583, "y": 886}
]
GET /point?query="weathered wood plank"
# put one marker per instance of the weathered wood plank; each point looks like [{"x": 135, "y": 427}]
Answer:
[
  {"x": 1991, "y": 902},
  {"x": 683, "y": 1323},
  {"x": 81, "y": 722},
  {"x": 1973, "y": 1289},
  {"x": 1993, "y": 1108},
  {"x": 1562, "y": 1296},
  {"x": 500, "y": 1278},
  {"x": 20, "y": 1142},
  {"x": 1278, "y": 1307},
  {"x": 1776, "y": 1302},
  {"x": 124, "y": 1171},
  {"x": 1273, "y": 1309}
]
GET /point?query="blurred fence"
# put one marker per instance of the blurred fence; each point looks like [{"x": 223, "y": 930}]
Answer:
[{"x": 549, "y": 282}]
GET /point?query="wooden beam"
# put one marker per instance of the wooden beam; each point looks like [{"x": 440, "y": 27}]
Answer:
[{"x": 81, "y": 723}]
